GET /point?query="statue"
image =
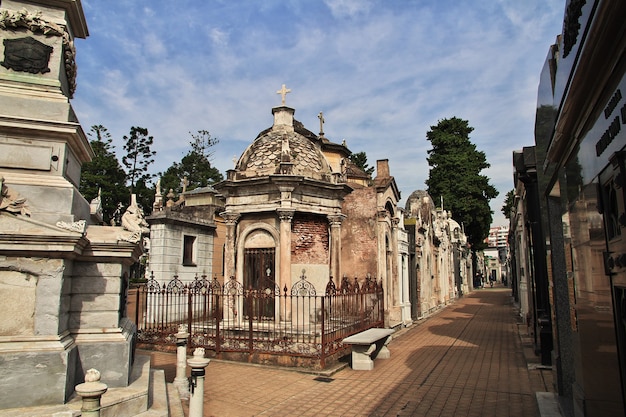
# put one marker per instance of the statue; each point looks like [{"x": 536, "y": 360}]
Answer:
[
  {"x": 11, "y": 201},
  {"x": 133, "y": 219}
]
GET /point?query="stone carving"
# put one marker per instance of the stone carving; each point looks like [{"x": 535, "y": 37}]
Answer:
[
  {"x": 33, "y": 22},
  {"x": 158, "y": 197},
  {"x": 92, "y": 375},
  {"x": 95, "y": 206},
  {"x": 78, "y": 226},
  {"x": 133, "y": 221},
  {"x": 27, "y": 55},
  {"x": 11, "y": 201}
]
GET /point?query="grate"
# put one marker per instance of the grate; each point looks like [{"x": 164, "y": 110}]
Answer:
[{"x": 323, "y": 379}]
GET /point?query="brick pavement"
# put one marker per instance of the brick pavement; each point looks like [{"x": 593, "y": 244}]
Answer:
[{"x": 467, "y": 360}]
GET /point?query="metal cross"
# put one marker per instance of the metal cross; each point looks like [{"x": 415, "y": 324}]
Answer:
[{"x": 283, "y": 92}]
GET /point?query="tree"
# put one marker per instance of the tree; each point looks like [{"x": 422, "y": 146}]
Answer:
[
  {"x": 139, "y": 156},
  {"x": 508, "y": 204},
  {"x": 360, "y": 160},
  {"x": 104, "y": 173},
  {"x": 455, "y": 176},
  {"x": 195, "y": 166}
]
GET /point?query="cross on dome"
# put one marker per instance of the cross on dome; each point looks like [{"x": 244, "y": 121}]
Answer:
[{"x": 283, "y": 92}]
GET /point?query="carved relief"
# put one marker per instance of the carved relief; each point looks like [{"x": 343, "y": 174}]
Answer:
[
  {"x": 11, "y": 201},
  {"x": 27, "y": 55},
  {"x": 33, "y": 22},
  {"x": 79, "y": 226}
]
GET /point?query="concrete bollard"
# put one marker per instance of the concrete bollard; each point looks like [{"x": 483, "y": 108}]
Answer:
[
  {"x": 198, "y": 364},
  {"x": 181, "y": 382},
  {"x": 91, "y": 392}
]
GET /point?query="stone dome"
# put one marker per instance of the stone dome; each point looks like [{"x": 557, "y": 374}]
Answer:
[
  {"x": 285, "y": 148},
  {"x": 419, "y": 204}
]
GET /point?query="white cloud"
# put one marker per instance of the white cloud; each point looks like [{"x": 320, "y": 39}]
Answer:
[
  {"x": 382, "y": 72},
  {"x": 348, "y": 8}
]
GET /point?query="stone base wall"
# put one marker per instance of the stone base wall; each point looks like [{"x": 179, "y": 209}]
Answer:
[
  {"x": 110, "y": 353},
  {"x": 33, "y": 377}
]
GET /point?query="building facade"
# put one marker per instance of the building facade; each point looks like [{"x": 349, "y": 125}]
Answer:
[
  {"x": 568, "y": 228},
  {"x": 440, "y": 266}
]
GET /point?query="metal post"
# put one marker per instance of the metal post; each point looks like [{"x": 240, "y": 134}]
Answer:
[
  {"x": 91, "y": 392},
  {"x": 198, "y": 364},
  {"x": 181, "y": 362}
]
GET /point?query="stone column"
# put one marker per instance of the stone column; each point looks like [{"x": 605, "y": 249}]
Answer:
[
  {"x": 335, "y": 221},
  {"x": 395, "y": 281},
  {"x": 181, "y": 362},
  {"x": 230, "y": 218},
  {"x": 198, "y": 364},
  {"x": 91, "y": 392},
  {"x": 284, "y": 280}
]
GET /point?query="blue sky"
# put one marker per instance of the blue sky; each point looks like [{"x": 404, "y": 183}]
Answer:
[{"x": 382, "y": 72}]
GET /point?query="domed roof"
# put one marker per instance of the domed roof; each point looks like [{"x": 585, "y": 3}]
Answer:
[
  {"x": 291, "y": 147},
  {"x": 419, "y": 203}
]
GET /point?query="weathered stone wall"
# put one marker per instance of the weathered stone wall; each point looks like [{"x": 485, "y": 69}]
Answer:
[
  {"x": 358, "y": 234},
  {"x": 309, "y": 239}
]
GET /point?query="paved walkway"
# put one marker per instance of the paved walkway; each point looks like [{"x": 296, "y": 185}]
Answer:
[{"x": 467, "y": 360}]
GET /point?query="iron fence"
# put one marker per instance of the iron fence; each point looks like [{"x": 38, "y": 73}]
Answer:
[{"x": 266, "y": 319}]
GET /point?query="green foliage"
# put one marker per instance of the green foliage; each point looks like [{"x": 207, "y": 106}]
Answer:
[
  {"x": 139, "y": 156},
  {"x": 360, "y": 160},
  {"x": 508, "y": 204},
  {"x": 105, "y": 173},
  {"x": 195, "y": 166},
  {"x": 455, "y": 175}
]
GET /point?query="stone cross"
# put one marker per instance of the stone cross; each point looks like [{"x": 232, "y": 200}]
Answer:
[
  {"x": 185, "y": 183},
  {"x": 283, "y": 92},
  {"x": 321, "y": 117}
]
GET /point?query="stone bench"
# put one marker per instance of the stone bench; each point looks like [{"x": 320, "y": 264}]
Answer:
[{"x": 368, "y": 345}]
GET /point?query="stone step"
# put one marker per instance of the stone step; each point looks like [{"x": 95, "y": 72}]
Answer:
[
  {"x": 158, "y": 404},
  {"x": 175, "y": 403}
]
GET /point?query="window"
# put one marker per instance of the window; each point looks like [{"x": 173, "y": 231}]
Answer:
[{"x": 189, "y": 248}]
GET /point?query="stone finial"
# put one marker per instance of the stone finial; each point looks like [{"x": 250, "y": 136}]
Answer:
[
  {"x": 92, "y": 375},
  {"x": 199, "y": 352},
  {"x": 95, "y": 206}
]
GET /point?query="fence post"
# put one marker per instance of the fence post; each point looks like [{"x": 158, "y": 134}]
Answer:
[
  {"x": 189, "y": 309},
  {"x": 91, "y": 392},
  {"x": 137, "y": 307},
  {"x": 323, "y": 358},
  {"x": 250, "y": 316}
]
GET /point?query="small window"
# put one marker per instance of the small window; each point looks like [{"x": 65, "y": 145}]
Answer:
[{"x": 189, "y": 249}]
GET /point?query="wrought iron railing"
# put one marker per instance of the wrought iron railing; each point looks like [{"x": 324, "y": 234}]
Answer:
[{"x": 231, "y": 318}]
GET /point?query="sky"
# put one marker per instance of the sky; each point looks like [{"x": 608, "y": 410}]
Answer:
[{"x": 383, "y": 72}]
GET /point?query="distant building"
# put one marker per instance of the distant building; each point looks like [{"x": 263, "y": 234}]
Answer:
[{"x": 498, "y": 236}]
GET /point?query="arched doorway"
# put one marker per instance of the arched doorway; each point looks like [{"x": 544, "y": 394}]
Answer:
[{"x": 259, "y": 275}]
